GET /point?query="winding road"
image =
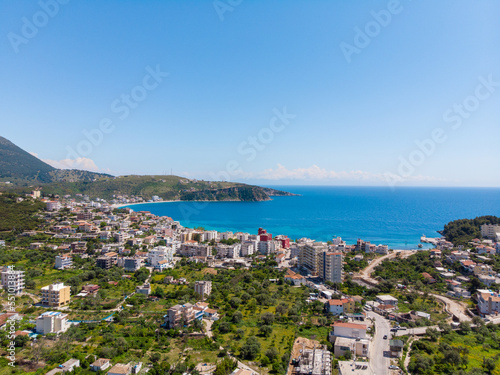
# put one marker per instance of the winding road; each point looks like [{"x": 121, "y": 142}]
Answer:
[{"x": 379, "y": 347}]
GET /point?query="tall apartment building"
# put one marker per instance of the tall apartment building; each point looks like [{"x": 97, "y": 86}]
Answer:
[
  {"x": 130, "y": 264},
  {"x": 242, "y": 236},
  {"x": 195, "y": 250},
  {"x": 104, "y": 262},
  {"x": 85, "y": 215},
  {"x": 12, "y": 281},
  {"x": 330, "y": 267},
  {"x": 309, "y": 256},
  {"x": 208, "y": 235},
  {"x": 120, "y": 236},
  {"x": 56, "y": 295},
  {"x": 203, "y": 288},
  {"x": 490, "y": 231},
  {"x": 52, "y": 322},
  {"x": 247, "y": 248},
  {"x": 319, "y": 261},
  {"x": 228, "y": 251},
  {"x": 226, "y": 235},
  {"x": 267, "y": 247},
  {"x": 156, "y": 255},
  {"x": 180, "y": 315},
  {"x": 63, "y": 262}
]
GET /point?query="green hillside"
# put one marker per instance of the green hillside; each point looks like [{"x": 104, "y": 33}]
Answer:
[
  {"x": 166, "y": 187},
  {"x": 462, "y": 231},
  {"x": 15, "y": 163},
  {"x": 19, "y": 215},
  {"x": 23, "y": 169}
]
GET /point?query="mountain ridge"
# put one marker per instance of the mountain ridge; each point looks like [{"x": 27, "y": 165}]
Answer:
[{"x": 25, "y": 171}]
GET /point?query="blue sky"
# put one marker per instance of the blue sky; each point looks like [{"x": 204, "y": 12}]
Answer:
[{"x": 258, "y": 91}]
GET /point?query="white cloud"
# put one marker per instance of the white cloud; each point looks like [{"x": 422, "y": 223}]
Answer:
[
  {"x": 79, "y": 163},
  {"x": 316, "y": 173}
]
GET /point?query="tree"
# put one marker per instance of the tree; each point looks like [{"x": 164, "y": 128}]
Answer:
[
  {"x": 432, "y": 333},
  {"x": 155, "y": 357},
  {"x": 226, "y": 366},
  {"x": 265, "y": 330},
  {"x": 267, "y": 318},
  {"x": 489, "y": 364},
  {"x": 240, "y": 333},
  {"x": 224, "y": 327},
  {"x": 235, "y": 302},
  {"x": 386, "y": 286},
  {"x": 282, "y": 308},
  {"x": 272, "y": 353},
  {"x": 465, "y": 327},
  {"x": 197, "y": 325},
  {"x": 251, "y": 348},
  {"x": 444, "y": 327},
  {"x": 420, "y": 364},
  {"x": 237, "y": 316}
]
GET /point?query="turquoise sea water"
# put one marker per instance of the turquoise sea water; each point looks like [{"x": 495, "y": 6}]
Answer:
[{"x": 378, "y": 214}]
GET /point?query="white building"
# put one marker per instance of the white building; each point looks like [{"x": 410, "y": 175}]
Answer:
[
  {"x": 358, "y": 347},
  {"x": 63, "y": 262},
  {"x": 488, "y": 302},
  {"x": 226, "y": 235},
  {"x": 12, "y": 281},
  {"x": 490, "y": 231},
  {"x": 121, "y": 236},
  {"x": 52, "y": 322},
  {"x": 160, "y": 254},
  {"x": 489, "y": 280},
  {"x": 267, "y": 247},
  {"x": 144, "y": 289},
  {"x": 247, "y": 248},
  {"x": 208, "y": 235},
  {"x": 331, "y": 267},
  {"x": 337, "y": 241},
  {"x": 228, "y": 251},
  {"x": 387, "y": 300},
  {"x": 53, "y": 206},
  {"x": 242, "y": 236},
  {"x": 382, "y": 249},
  {"x": 203, "y": 288},
  {"x": 352, "y": 330}
]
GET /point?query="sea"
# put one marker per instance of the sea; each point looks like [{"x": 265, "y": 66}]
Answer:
[{"x": 395, "y": 217}]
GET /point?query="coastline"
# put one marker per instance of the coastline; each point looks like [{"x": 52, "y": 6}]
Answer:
[
  {"x": 397, "y": 246},
  {"x": 178, "y": 200}
]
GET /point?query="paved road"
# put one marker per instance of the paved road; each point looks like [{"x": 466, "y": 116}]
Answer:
[
  {"x": 457, "y": 308},
  {"x": 413, "y": 331},
  {"x": 379, "y": 348}
]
